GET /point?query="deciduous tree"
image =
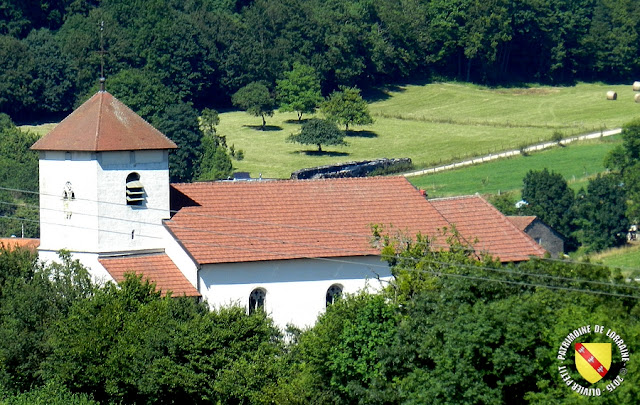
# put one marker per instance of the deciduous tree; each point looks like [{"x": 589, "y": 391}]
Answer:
[
  {"x": 600, "y": 213},
  {"x": 215, "y": 163},
  {"x": 299, "y": 91},
  {"x": 319, "y": 132},
  {"x": 346, "y": 107},
  {"x": 180, "y": 123},
  {"x": 549, "y": 197},
  {"x": 255, "y": 99}
]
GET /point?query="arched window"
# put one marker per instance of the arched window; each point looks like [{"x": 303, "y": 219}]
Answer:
[
  {"x": 257, "y": 300},
  {"x": 334, "y": 293},
  {"x": 135, "y": 190}
]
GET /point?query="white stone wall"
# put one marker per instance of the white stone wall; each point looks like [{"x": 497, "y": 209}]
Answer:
[
  {"x": 180, "y": 258},
  {"x": 98, "y": 219},
  {"x": 296, "y": 289},
  {"x": 68, "y": 224},
  {"x": 130, "y": 227}
]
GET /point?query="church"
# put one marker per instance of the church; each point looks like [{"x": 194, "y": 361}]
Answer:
[{"x": 290, "y": 247}]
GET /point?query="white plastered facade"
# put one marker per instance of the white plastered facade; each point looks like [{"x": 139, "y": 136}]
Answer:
[
  {"x": 95, "y": 221},
  {"x": 83, "y": 206},
  {"x": 295, "y": 289}
]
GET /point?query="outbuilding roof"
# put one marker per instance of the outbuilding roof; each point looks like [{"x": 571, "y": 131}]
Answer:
[
  {"x": 20, "y": 243},
  {"x": 291, "y": 219},
  {"x": 521, "y": 222},
  {"x": 158, "y": 268},
  {"x": 487, "y": 229},
  {"x": 103, "y": 123}
]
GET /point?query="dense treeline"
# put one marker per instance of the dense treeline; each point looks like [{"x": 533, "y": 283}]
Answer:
[
  {"x": 449, "y": 328},
  {"x": 203, "y": 51}
]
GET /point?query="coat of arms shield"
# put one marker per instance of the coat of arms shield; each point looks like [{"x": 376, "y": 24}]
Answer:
[{"x": 593, "y": 360}]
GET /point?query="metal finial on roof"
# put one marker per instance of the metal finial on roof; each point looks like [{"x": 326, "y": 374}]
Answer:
[{"x": 102, "y": 52}]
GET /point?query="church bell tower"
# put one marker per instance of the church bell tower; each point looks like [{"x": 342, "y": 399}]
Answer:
[{"x": 104, "y": 181}]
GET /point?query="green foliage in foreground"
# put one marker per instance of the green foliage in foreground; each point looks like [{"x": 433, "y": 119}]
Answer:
[
  {"x": 456, "y": 329},
  {"x": 449, "y": 328}
]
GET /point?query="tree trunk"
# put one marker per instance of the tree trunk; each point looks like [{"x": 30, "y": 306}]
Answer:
[
  {"x": 300, "y": 116},
  {"x": 319, "y": 148},
  {"x": 264, "y": 122}
]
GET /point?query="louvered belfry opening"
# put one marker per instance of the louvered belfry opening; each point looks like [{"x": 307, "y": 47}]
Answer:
[{"x": 135, "y": 190}]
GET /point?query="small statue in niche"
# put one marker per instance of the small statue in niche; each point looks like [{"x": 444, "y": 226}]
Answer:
[{"x": 67, "y": 195}]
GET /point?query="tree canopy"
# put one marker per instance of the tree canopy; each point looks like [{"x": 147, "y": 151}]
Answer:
[
  {"x": 215, "y": 163},
  {"x": 549, "y": 197},
  {"x": 346, "y": 107},
  {"x": 180, "y": 123},
  {"x": 300, "y": 90},
  {"x": 204, "y": 51},
  {"x": 319, "y": 132},
  {"x": 255, "y": 99},
  {"x": 449, "y": 327}
]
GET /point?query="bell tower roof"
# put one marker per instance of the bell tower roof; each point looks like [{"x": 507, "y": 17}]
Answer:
[{"x": 103, "y": 123}]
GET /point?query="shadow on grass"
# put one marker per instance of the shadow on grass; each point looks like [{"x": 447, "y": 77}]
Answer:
[
  {"x": 329, "y": 153},
  {"x": 267, "y": 128},
  {"x": 360, "y": 134},
  {"x": 297, "y": 121},
  {"x": 381, "y": 93}
]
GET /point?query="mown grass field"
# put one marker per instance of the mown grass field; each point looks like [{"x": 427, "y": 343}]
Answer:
[
  {"x": 435, "y": 123},
  {"x": 431, "y": 124},
  {"x": 626, "y": 258},
  {"x": 577, "y": 163},
  {"x": 41, "y": 129}
]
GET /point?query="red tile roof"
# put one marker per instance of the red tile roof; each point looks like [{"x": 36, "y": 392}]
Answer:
[
  {"x": 103, "y": 123},
  {"x": 24, "y": 243},
  {"x": 475, "y": 218},
  {"x": 289, "y": 219},
  {"x": 521, "y": 222},
  {"x": 158, "y": 268}
]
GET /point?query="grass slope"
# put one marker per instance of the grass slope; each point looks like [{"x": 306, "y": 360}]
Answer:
[
  {"x": 435, "y": 123},
  {"x": 577, "y": 163},
  {"x": 626, "y": 258},
  {"x": 40, "y": 130}
]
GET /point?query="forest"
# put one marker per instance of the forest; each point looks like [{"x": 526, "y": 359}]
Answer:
[{"x": 201, "y": 52}]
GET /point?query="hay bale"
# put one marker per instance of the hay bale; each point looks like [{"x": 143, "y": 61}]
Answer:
[
  {"x": 636, "y": 86},
  {"x": 636, "y": 98},
  {"x": 612, "y": 95}
]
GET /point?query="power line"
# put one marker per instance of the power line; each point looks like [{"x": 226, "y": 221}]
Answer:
[
  {"x": 438, "y": 273},
  {"x": 476, "y": 278},
  {"x": 527, "y": 284},
  {"x": 431, "y": 243},
  {"x": 249, "y": 221}
]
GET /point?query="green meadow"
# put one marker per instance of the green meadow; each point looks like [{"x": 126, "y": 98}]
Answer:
[
  {"x": 577, "y": 163},
  {"x": 41, "y": 129},
  {"x": 434, "y": 124},
  {"x": 626, "y": 258}
]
